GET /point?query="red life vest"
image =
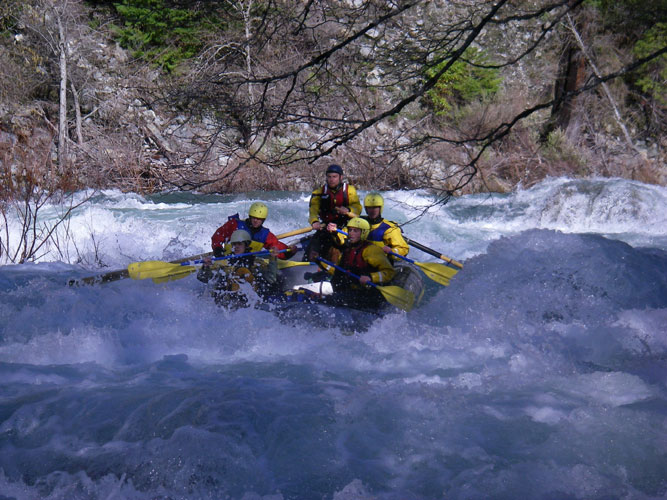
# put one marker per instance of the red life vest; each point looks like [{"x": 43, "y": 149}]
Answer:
[
  {"x": 329, "y": 201},
  {"x": 353, "y": 261}
]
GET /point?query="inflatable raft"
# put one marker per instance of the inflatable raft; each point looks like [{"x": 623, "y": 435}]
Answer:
[{"x": 307, "y": 299}]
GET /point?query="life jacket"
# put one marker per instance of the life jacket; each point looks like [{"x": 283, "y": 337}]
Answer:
[
  {"x": 230, "y": 276},
  {"x": 258, "y": 235},
  {"x": 352, "y": 259},
  {"x": 329, "y": 202},
  {"x": 246, "y": 262},
  {"x": 377, "y": 234}
]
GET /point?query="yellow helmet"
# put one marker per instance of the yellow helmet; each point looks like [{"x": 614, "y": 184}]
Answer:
[
  {"x": 360, "y": 223},
  {"x": 259, "y": 210},
  {"x": 374, "y": 200}
]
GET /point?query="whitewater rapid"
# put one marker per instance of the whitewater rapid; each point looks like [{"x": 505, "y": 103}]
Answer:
[{"x": 540, "y": 372}]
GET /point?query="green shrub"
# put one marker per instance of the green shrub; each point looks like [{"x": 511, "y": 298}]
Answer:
[
  {"x": 465, "y": 81},
  {"x": 653, "y": 75}
]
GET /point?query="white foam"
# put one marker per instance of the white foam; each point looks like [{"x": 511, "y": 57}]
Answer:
[
  {"x": 609, "y": 388},
  {"x": 545, "y": 414}
]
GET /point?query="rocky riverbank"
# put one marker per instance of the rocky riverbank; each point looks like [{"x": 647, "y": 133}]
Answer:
[{"x": 128, "y": 129}]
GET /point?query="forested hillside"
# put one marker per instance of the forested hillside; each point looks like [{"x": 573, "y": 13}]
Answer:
[{"x": 220, "y": 96}]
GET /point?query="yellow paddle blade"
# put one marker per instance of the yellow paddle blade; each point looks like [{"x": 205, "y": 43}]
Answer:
[
  {"x": 284, "y": 264},
  {"x": 397, "y": 296},
  {"x": 437, "y": 272},
  {"x": 175, "y": 276},
  {"x": 161, "y": 272},
  {"x": 158, "y": 269}
]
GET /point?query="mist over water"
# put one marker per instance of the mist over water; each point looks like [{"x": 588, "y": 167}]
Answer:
[{"x": 540, "y": 372}]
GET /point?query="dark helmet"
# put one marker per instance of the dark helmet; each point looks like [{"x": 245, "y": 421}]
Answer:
[{"x": 334, "y": 169}]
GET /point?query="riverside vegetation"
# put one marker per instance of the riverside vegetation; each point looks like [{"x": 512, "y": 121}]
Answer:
[{"x": 222, "y": 96}]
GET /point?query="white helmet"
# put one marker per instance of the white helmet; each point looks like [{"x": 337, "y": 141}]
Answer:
[{"x": 240, "y": 236}]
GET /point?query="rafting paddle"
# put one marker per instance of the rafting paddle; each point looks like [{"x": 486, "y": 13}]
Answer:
[
  {"x": 439, "y": 273},
  {"x": 167, "y": 271},
  {"x": 124, "y": 273},
  {"x": 395, "y": 295},
  {"x": 430, "y": 251}
]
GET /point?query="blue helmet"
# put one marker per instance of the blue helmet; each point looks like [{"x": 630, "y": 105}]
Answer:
[{"x": 334, "y": 169}]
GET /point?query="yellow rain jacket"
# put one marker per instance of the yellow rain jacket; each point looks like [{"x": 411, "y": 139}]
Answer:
[
  {"x": 382, "y": 232},
  {"x": 366, "y": 259},
  {"x": 323, "y": 203},
  {"x": 385, "y": 232}
]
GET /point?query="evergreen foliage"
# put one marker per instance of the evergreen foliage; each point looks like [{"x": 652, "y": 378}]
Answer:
[
  {"x": 465, "y": 81},
  {"x": 158, "y": 33},
  {"x": 9, "y": 13},
  {"x": 642, "y": 29},
  {"x": 631, "y": 15}
]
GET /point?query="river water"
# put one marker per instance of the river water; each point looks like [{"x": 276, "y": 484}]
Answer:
[{"x": 540, "y": 372}]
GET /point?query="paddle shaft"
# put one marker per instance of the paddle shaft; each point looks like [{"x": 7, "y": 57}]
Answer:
[
  {"x": 101, "y": 278},
  {"x": 349, "y": 273},
  {"x": 403, "y": 257},
  {"x": 230, "y": 256},
  {"x": 430, "y": 251},
  {"x": 422, "y": 248},
  {"x": 439, "y": 273},
  {"x": 160, "y": 269},
  {"x": 391, "y": 253},
  {"x": 123, "y": 273},
  {"x": 279, "y": 236},
  {"x": 295, "y": 232}
]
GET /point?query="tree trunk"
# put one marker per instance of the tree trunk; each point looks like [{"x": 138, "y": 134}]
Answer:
[
  {"x": 77, "y": 111},
  {"x": 605, "y": 87},
  {"x": 62, "y": 124},
  {"x": 246, "y": 10},
  {"x": 571, "y": 76}
]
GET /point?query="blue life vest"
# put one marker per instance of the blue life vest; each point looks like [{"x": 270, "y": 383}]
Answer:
[
  {"x": 377, "y": 234},
  {"x": 258, "y": 235}
]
